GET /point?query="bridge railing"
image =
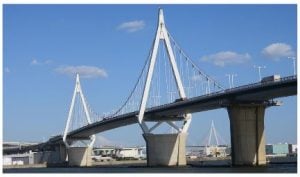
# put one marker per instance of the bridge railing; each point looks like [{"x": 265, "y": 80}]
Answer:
[{"x": 284, "y": 79}]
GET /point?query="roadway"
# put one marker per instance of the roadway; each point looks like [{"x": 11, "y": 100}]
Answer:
[
  {"x": 250, "y": 94},
  {"x": 253, "y": 93}
]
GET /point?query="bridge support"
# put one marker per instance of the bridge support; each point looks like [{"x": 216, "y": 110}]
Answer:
[
  {"x": 79, "y": 156},
  {"x": 247, "y": 134},
  {"x": 62, "y": 153},
  {"x": 165, "y": 149}
]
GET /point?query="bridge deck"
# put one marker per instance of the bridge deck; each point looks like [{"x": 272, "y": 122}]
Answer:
[{"x": 257, "y": 92}]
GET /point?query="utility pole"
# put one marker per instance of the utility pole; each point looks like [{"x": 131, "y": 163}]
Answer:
[
  {"x": 233, "y": 75},
  {"x": 259, "y": 70},
  {"x": 230, "y": 79},
  {"x": 294, "y": 64}
]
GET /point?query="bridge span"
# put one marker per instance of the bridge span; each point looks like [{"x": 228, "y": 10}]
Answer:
[
  {"x": 256, "y": 93},
  {"x": 245, "y": 105}
]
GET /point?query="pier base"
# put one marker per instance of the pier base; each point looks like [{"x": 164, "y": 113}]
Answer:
[
  {"x": 165, "y": 149},
  {"x": 62, "y": 153},
  {"x": 247, "y": 134},
  {"x": 79, "y": 156}
]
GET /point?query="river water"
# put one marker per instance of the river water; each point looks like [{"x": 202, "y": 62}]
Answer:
[{"x": 271, "y": 168}]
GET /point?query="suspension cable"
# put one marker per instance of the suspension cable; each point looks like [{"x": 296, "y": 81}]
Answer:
[
  {"x": 136, "y": 84},
  {"x": 193, "y": 64}
]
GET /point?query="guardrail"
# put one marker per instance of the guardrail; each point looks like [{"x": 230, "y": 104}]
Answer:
[
  {"x": 283, "y": 79},
  {"x": 248, "y": 86}
]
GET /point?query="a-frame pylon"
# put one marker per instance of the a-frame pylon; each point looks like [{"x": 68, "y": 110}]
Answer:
[
  {"x": 161, "y": 34},
  {"x": 212, "y": 131},
  {"x": 77, "y": 92}
]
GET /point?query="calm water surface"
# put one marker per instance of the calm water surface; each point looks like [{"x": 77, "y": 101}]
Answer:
[{"x": 272, "y": 168}]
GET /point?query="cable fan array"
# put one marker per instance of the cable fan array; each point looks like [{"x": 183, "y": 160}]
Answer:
[
  {"x": 78, "y": 115},
  {"x": 163, "y": 88}
]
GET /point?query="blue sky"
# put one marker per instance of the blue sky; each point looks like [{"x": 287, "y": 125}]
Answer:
[{"x": 44, "y": 44}]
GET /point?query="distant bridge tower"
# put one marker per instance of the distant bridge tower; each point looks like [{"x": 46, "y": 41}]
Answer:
[
  {"x": 80, "y": 156},
  {"x": 212, "y": 131},
  {"x": 164, "y": 149},
  {"x": 213, "y": 141}
]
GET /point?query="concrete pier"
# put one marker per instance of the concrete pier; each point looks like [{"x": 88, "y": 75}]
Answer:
[
  {"x": 247, "y": 134},
  {"x": 79, "y": 156},
  {"x": 62, "y": 152},
  {"x": 165, "y": 149}
]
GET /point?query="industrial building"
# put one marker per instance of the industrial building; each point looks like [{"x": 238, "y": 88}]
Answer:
[
  {"x": 280, "y": 149},
  {"x": 120, "y": 153},
  {"x": 105, "y": 151},
  {"x": 31, "y": 158},
  {"x": 208, "y": 151},
  {"x": 131, "y": 153}
]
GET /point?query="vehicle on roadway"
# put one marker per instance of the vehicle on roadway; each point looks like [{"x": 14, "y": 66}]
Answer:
[{"x": 272, "y": 78}]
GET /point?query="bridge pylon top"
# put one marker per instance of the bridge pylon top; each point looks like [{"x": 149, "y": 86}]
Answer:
[
  {"x": 77, "y": 78},
  {"x": 161, "y": 19}
]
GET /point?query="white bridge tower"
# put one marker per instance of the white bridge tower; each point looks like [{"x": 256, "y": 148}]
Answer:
[
  {"x": 79, "y": 156},
  {"x": 164, "y": 149}
]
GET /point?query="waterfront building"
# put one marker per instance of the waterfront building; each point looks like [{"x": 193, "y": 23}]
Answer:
[
  {"x": 294, "y": 148},
  {"x": 31, "y": 158},
  {"x": 121, "y": 153},
  {"x": 280, "y": 149},
  {"x": 208, "y": 151},
  {"x": 105, "y": 151},
  {"x": 216, "y": 151},
  {"x": 130, "y": 153}
]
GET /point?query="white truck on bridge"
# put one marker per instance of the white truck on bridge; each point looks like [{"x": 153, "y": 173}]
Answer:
[{"x": 272, "y": 78}]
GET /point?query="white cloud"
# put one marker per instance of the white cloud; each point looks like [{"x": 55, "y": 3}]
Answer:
[
  {"x": 7, "y": 70},
  {"x": 227, "y": 58},
  {"x": 132, "y": 26},
  {"x": 36, "y": 62},
  {"x": 83, "y": 71},
  {"x": 276, "y": 51}
]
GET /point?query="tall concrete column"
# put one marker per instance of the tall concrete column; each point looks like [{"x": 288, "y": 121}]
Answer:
[
  {"x": 165, "y": 149},
  {"x": 61, "y": 149},
  {"x": 247, "y": 134},
  {"x": 79, "y": 156}
]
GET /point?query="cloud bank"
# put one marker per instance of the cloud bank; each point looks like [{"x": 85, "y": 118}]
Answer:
[
  {"x": 83, "y": 71},
  {"x": 276, "y": 51},
  {"x": 36, "y": 62},
  {"x": 226, "y": 58},
  {"x": 132, "y": 26}
]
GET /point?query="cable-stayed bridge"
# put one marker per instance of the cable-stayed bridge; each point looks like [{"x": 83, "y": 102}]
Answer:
[{"x": 168, "y": 90}]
